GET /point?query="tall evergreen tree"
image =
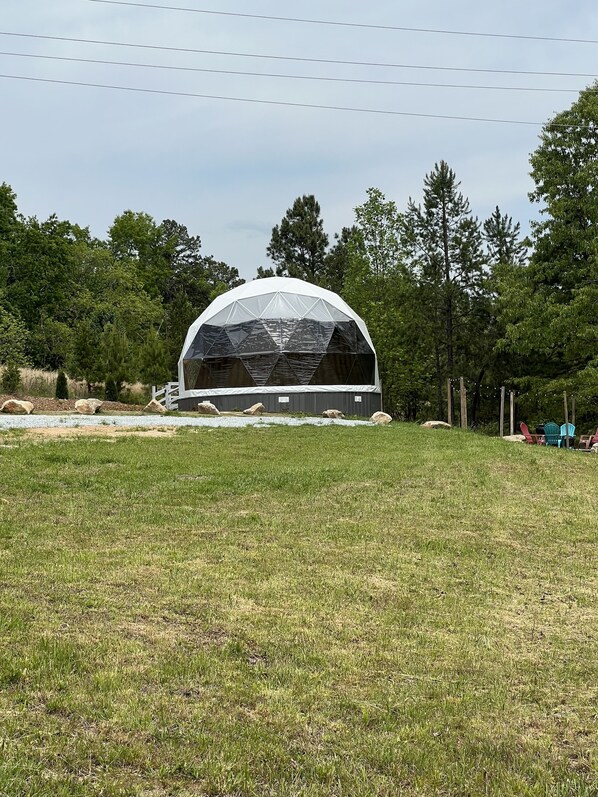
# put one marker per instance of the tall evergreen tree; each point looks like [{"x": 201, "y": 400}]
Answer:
[
  {"x": 447, "y": 253},
  {"x": 298, "y": 244}
]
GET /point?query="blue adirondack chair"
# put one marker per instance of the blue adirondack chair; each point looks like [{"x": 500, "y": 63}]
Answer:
[
  {"x": 570, "y": 429},
  {"x": 552, "y": 434}
]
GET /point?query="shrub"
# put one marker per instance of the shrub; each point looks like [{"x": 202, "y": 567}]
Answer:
[
  {"x": 62, "y": 388},
  {"x": 11, "y": 378},
  {"x": 111, "y": 389}
]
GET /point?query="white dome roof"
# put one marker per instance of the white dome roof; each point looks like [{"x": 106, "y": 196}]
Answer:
[{"x": 280, "y": 298}]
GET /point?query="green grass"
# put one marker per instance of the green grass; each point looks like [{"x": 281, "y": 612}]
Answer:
[{"x": 297, "y": 611}]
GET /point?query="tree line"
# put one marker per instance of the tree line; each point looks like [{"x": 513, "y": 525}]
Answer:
[{"x": 444, "y": 294}]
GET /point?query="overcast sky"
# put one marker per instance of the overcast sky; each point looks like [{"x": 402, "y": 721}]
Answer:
[{"x": 229, "y": 169}]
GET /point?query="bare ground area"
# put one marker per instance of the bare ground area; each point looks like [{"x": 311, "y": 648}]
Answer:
[
  {"x": 69, "y": 433},
  {"x": 42, "y": 404}
]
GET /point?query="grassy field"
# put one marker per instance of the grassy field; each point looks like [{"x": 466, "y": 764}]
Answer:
[{"x": 297, "y": 611}]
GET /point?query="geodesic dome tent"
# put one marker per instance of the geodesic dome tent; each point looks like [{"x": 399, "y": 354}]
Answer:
[{"x": 284, "y": 342}]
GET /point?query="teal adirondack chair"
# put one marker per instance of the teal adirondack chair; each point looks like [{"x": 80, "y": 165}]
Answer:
[
  {"x": 552, "y": 434},
  {"x": 563, "y": 437}
]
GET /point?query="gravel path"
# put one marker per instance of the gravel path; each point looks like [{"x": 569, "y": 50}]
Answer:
[{"x": 227, "y": 421}]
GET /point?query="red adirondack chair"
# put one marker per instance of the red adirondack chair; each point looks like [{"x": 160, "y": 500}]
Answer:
[
  {"x": 588, "y": 440},
  {"x": 532, "y": 439}
]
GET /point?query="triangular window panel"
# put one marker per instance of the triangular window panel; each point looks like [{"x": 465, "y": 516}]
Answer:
[
  {"x": 281, "y": 307},
  {"x": 239, "y": 314},
  {"x": 217, "y": 342},
  {"x": 303, "y": 366},
  {"x": 283, "y": 374},
  {"x": 258, "y": 339},
  {"x": 319, "y": 311},
  {"x": 237, "y": 333},
  {"x": 310, "y": 336},
  {"x": 260, "y": 367},
  {"x": 287, "y": 330},
  {"x": 341, "y": 341},
  {"x": 221, "y": 318},
  {"x": 337, "y": 314},
  {"x": 257, "y": 304},
  {"x": 197, "y": 376}
]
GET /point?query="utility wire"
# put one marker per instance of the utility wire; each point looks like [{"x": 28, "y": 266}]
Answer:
[
  {"x": 296, "y": 58},
  {"x": 378, "y": 111},
  {"x": 276, "y": 75},
  {"x": 336, "y": 23}
]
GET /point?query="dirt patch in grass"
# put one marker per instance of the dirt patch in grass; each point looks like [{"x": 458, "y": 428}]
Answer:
[{"x": 70, "y": 433}]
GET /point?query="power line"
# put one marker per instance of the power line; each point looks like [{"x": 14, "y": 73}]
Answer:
[
  {"x": 299, "y": 59},
  {"x": 276, "y": 75},
  {"x": 378, "y": 111},
  {"x": 362, "y": 25}
]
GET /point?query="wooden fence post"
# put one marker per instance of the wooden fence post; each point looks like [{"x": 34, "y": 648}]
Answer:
[
  {"x": 463, "y": 395},
  {"x": 501, "y": 422},
  {"x": 566, "y": 419},
  {"x": 449, "y": 398},
  {"x": 511, "y": 412}
]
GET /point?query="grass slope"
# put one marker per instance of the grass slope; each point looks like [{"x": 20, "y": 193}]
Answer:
[{"x": 305, "y": 611}]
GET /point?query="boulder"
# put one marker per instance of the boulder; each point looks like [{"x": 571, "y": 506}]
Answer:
[
  {"x": 207, "y": 408},
  {"x": 16, "y": 407},
  {"x": 514, "y": 438},
  {"x": 255, "y": 409},
  {"x": 436, "y": 425},
  {"x": 333, "y": 414},
  {"x": 381, "y": 418},
  {"x": 594, "y": 449},
  {"x": 155, "y": 407},
  {"x": 88, "y": 406}
]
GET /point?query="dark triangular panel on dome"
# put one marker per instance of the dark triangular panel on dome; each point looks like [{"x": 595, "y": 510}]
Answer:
[
  {"x": 260, "y": 366},
  {"x": 334, "y": 369},
  {"x": 258, "y": 339},
  {"x": 197, "y": 375},
  {"x": 364, "y": 370},
  {"x": 303, "y": 366},
  {"x": 362, "y": 347},
  {"x": 283, "y": 373},
  {"x": 237, "y": 333},
  {"x": 272, "y": 326},
  {"x": 343, "y": 339},
  {"x": 288, "y": 327},
  {"x": 227, "y": 372},
  {"x": 215, "y": 341},
  {"x": 310, "y": 336}
]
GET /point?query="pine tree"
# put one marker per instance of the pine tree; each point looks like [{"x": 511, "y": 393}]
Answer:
[
  {"x": 298, "y": 244},
  {"x": 447, "y": 253},
  {"x": 154, "y": 366},
  {"x": 11, "y": 378},
  {"x": 62, "y": 388},
  {"x": 117, "y": 357}
]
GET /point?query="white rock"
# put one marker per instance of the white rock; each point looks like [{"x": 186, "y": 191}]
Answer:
[
  {"x": 436, "y": 425},
  {"x": 332, "y": 414},
  {"x": 207, "y": 408},
  {"x": 381, "y": 418},
  {"x": 255, "y": 409},
  {"x": 16, "y": 407},
  {"x": 594, "y": 449},
  {"x": 88, "y": 406},
  {"x": 514, "y": 438},
  {"x": 155, "y": 407}
]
